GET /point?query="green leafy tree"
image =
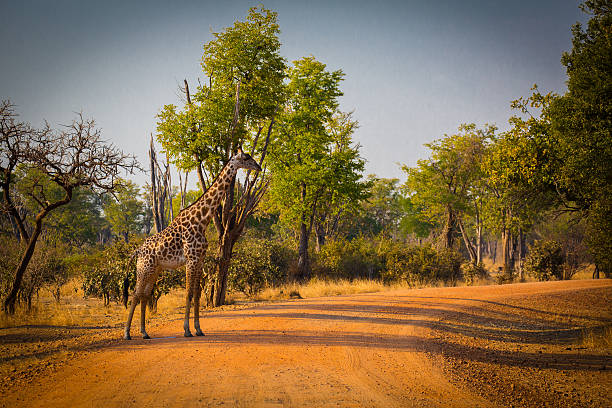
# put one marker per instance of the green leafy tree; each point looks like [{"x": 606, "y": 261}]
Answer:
[
  {"x": 235, "y": 106},
  {"x": 312, "y": 163},
  {"x": 581, "y": 130},
  {"x": 448, "y": 186},
  {"x": 561, "y": 158},
  {"x": 516, "y": 168},
  {"x": 80, "y": 221},
  {"x": 125, "y": 210},
  {"x": 379, "y": 212},
  {"x": 569, "y": 230},
  {"x": 415, "y": 220},
  {"x": 340, "y": 200}
]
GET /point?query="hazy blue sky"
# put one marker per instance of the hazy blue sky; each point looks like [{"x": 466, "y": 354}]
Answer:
[{"x": 414, "y": 69}]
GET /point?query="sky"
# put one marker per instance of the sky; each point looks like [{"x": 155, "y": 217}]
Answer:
[{"x": 415, "y": 70}]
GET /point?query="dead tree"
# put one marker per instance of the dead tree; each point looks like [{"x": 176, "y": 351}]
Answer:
[
  {"x": 74, "y": 157},
  {"x": 161, "y": 191},
  {"x": 14, "y": 145}
]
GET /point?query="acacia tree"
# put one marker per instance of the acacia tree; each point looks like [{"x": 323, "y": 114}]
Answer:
[
  {"x": 78, "y": 222},
  {"x": 14, "y": 146},
  {"x": 234, "y": 107},
  {"x": 69, "y": 159},
  {"x": 313, "y": 164}
]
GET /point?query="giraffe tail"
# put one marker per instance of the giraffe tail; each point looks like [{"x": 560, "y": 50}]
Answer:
[{"x": 126, "y": 280}]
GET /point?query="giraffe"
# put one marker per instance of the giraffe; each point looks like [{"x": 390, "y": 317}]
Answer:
[{"x": 183, "y": 242}]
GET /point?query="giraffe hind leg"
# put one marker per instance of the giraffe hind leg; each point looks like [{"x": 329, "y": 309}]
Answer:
[{"x": 135, "y": 301}]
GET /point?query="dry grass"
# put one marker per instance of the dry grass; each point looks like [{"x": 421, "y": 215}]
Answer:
[
  {"x": 72, "y": 310},
  {"x": 75, "y": 310},
  {"x": 319, "y": 288},
  {"x": 585, "y": 272}
]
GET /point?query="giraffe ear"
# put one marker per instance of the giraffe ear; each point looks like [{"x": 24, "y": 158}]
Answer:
[{"x": 239, "y": 151}]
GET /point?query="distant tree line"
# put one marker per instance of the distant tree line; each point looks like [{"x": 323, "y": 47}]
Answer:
[{"x": 534, "y": 199}]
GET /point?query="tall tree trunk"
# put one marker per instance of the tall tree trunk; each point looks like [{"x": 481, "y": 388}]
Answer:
[
  {"x": 320, "y": 237},
  {"x": 479, "y": 244},
  {"x": 478, "y": 236},
  {"x": 218, "y": 289},
  {"x": 506, "y": 244},
  {"x": 596, "y": 272},
  {"x": 9, "y": 302},
  {"x": 303, "y": 265},
  {"x": 467, "y": 241},
  {"x": 154, "y": 192},
  {"x": 448, "y": 232},
  {"x": 521, "y": 253},
  {"x": 494, "y": 254}
]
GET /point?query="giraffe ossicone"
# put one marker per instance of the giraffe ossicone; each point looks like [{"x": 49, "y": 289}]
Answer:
[{"x": 183, "y": 242}]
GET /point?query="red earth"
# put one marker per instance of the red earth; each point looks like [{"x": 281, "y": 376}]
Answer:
[{"x": 529, "y": 344}]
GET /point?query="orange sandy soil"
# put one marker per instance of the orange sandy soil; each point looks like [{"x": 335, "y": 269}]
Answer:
[{"x": 530, "y": 344}]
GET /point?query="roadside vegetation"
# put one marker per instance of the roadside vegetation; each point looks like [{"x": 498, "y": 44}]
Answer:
[{"x": 485, "y": 207}]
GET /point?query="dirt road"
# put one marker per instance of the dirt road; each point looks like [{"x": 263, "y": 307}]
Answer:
[{"x": 510, "y": 345}]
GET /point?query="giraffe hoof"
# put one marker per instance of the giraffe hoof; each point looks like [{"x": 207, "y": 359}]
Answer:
[
  {"x": 127, "y": 337},
  {"x": 188, "y": 334},
  {"x": 199, "y": 333},
  {"x": 145, "y": 336}
]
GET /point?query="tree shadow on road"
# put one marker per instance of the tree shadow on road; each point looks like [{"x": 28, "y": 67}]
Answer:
[{"x": 560, "y": 361}]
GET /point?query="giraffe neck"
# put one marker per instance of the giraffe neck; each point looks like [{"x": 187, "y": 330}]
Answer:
[{"x": 215, "y": 193}]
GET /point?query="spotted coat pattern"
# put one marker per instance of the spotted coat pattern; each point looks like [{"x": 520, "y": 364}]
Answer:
[{"x": 183, "y": 242}]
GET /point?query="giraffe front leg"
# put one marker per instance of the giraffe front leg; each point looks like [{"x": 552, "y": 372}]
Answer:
[
  {"x": 196, "y": 306},
  {"x": 143, "y": 311},
  {"x": 188, "y": 297}
]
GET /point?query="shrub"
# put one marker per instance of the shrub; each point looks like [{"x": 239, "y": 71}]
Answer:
[
  {"x": 505, "y": 275},
  {"x": 256, "y": 263},
  {"x": 166, "y": 281},
  {"x": 472, "y": 271},
  {"x": 105, "y": 272},
  {"x": 544, "y": 260},
  {"x": 46, "y": 269},
  {"x": 284, "y": 258},
  {"x": 343, "y": 259},
  {"x": 423, "y": 265}
]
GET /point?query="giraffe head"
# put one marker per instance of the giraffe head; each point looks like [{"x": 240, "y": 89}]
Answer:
[{"x": 245, "y": 161}]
